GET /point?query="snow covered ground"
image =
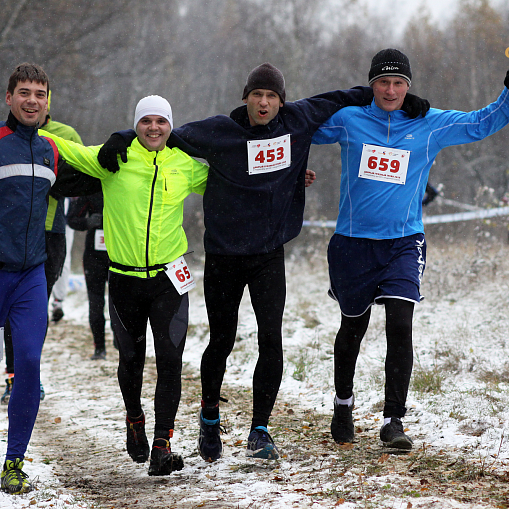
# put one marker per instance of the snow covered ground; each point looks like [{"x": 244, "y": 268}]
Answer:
[{"x": 458, "y": 400}]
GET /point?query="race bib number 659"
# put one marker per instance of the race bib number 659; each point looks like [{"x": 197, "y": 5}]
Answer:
[
  {"x": 265, "y": 156},
  {"x": 384, "y": 164},
  {"x": 180, "y": 276}
]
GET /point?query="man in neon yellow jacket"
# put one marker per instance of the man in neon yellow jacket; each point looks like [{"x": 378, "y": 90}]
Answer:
[{"x": 143, "y": 234}]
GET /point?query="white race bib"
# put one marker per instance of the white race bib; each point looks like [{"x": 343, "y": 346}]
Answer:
[
  {"x": 180, "y": 276},
  {"x": 99, "y": 244},
  {"x": 384, "y": 164},
  {"x": 265, "y": 156}
]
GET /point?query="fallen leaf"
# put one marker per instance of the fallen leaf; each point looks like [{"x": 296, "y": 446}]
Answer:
[
  {"x": 29, "y": 459},
  {"x": 346, "y": 446},
  {"x": 383, "y": 458},
  {"x": 277, "y": 478},
  {"x": 340, "y": 501},
  {"x": 299, "y": 489},
  {"x": 238, "y": 442},
  {"x": 409, "y": 505},
  {"x": 58, "y": 420}
]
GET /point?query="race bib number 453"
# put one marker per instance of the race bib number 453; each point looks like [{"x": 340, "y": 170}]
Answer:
[
  {"x": 265, "y": 156},
  {"x": 384, "y": 164}
]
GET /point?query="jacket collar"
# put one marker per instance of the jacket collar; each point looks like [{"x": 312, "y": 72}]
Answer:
[
  {"x": 384, "y": 115},
  {"x": 15, "y": 126}
]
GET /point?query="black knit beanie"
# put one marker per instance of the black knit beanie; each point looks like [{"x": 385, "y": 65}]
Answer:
[
  {"x": 390, "y": 62},
  {"x": 266, "y": 77}
]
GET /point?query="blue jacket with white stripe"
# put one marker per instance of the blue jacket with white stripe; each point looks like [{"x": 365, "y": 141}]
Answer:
[
  {"x": 381, "y": 209},
  {"x": 28, "y": 169}
]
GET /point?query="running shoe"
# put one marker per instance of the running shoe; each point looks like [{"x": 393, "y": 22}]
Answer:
[
  {"x": 57, "y": 313},
  {"x": 392, "y": 435},
  {"x": 13, "y": 479},
  {"x": 137, "y": 443},
  {"x": 99, "y": 354},
  {"x": 8, "y": 390},
  {"x": 162, "y": 460},
  {"x": 341, "y": 427},
  {"x": 209, "y": 441},
  {"x": 261, "y": 445}
]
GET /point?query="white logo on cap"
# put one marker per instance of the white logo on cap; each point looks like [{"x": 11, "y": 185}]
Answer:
[{"x": 390, "y": 68}]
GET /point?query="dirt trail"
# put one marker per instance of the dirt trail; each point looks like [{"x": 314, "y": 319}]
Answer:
[{"x": 85, "y": 444}]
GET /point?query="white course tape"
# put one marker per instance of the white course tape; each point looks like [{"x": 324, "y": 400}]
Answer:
[{"x": 442, "y": 218}]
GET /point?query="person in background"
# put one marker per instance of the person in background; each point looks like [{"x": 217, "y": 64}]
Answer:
[
  {"x": 86, "y": 214},
  {"x": 378, "y": 251}
]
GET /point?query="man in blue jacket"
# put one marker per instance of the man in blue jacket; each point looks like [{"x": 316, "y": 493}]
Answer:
[
  {"x": 378, "y": 251},
  {"x": 28, "y": 169},
  {"x": 253, "y": 205},
  {"x": 29, "y": 165}
]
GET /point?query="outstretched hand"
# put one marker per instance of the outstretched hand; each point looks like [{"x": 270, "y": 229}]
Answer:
[
  {"x": 310, "y": 177},
  {"x": 107, "y": 156}
]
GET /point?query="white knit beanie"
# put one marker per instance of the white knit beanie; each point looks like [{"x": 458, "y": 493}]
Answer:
[{"x": 153, "y": 105}]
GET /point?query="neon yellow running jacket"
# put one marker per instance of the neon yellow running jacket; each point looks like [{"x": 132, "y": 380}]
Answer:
[{"x": 143, "y": 202}]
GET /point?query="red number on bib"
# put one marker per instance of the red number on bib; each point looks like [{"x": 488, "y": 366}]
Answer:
[
  {"x": 383, "y": 164},
  {"x": 270, "y": 155},
  {"x": 260, "y": 157},
  {"x": 372, "y": 162},
  {"x": 394, "y": 166},
  {"x": 186, "y": 272},
  {"x": 180, "y": 276},
  {"x": 280, "y": 153}
]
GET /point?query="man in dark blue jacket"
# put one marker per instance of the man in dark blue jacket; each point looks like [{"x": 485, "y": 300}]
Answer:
[
  {"x": 29, "y": 165},
  {"x": 28, "y": 169},
  {"x": 253, "y": 205}
]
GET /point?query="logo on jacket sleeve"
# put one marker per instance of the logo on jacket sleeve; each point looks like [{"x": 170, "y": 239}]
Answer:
[{"x": 47, "y": 162}]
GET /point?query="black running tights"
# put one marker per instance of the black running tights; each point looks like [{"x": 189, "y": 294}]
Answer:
[
  {"x": 398, "y": 361},
  {"x": 134, "y": 301},
  {"x": 224, "y": 280}
]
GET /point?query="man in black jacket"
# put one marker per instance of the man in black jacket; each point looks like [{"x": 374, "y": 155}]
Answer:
[{"x": 253, "y": 205}]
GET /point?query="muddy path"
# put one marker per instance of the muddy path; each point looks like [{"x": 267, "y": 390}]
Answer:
[{"x": 80, "y": 432}]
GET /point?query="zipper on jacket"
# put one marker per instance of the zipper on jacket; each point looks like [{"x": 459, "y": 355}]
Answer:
[
  {"x": 31, "y": 199},
  {"x": 389, "y": 129},
  {"x": 150, "y": 214}
]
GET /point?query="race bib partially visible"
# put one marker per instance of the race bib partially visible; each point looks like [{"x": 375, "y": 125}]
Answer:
[
  {"x": 99, "y": 244},
  {"x": 179, "y": 275},
  {"x": 265, "y": 156},
  {"x": 384, "y": 164}
]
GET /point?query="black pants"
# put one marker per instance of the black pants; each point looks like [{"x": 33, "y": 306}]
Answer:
[
  {"x": 95, "y": 267},
  {"x": 398, "y": 361},
  {"x": 55, "y": 249},
  {"x": 224, "y": 280},
  {"x": 134, "y": 301}
]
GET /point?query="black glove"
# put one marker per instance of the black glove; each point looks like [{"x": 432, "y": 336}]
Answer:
[
  {"x": 107, "y": 156},
  {"x": 414, "y": 106},
  {"x": 506, "y": 81},
  {"x": 95, "y": 221},
  {"x": 430, "y": 195}
]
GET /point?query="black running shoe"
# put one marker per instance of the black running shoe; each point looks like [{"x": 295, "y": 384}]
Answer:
[
  {"x": 162, "y": 460},
  {"x": 392, "y": 435},
  {"x": 341, "y": 427},
  {"x": 137, "y": 443},
  {"x": 99, "y": 354},
  {"x": 209, "y": 441},
  {"x": 261, "y": 445}
]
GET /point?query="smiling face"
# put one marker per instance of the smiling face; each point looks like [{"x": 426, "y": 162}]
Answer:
[
  {"x": 262, "y": 106},
  {"x": 28, "y": 102},
  {"x": 390, "y": 92},
  {"x": 153, "y": 132}
]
